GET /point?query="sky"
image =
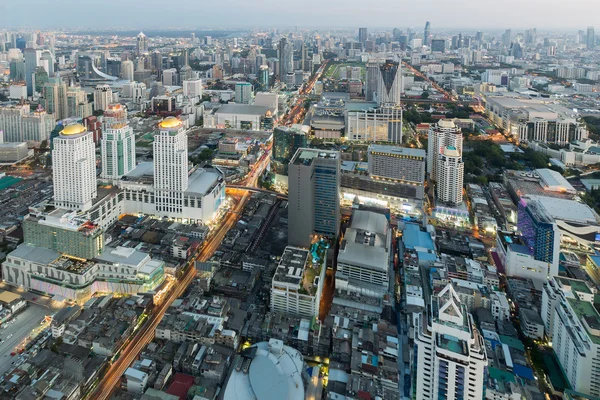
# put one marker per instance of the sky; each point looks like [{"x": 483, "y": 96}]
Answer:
[{"x": 144, "y": 14}]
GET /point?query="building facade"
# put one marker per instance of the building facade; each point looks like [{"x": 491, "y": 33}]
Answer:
[
  {"x": 450, "y": 175},
  {"x": 118, "y": 151},
  {"x": 397, "y": 163},
  {"x": 441, "y": 135}
]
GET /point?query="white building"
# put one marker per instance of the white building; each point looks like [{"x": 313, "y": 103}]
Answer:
[
  {"x": 118, "y": 151},
  {"x": 74, "y": 168},
  {"x": 102, "y": 97},
  {"x": 441, "y": 135},
  {"x": 17, "y": 92},
  {"x": 400, "y": 164},
  {"x": 364, "y": 256},
  {"x": 169, "y": 77},
  {"x": 450, "y": 352},
  {"x": 135, "y": 380},
  {"x": 572, "y": 318},
  {"x": 19, "y": 124},
  {"x": 499, "y": 306},
  {"x": 192, "y": 88},
  {"x": 127, "y": 70},
  {"x": 450, "y": 175},
  {"x": 297, "y": 284}
]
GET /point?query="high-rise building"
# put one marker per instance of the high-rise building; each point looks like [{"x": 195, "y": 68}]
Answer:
[
  {"x": 40, "y": 78},
  {"x": 170, "y": 166},
  {"x": 142, "y": 44},
  {"x": 450, "y": 355},
  {"x": 55, "y": 96},
  {"x": 170, "y": 77},
  {"x": 427, "y": 34},
  {"x": 263, "y": 77},
  {"x": 540, "y": 233},
  {"x": 17, "y": 69},
  {"x": 399, "y": 164},
  {"x": 74, "y": 168},
  {"x": 47, "y": 61},
  {"x": 441, "y": 135},
  {"x": 314, "y": 196},
  {"x": 118, "y": 149},
  {"x": 192, "y": 88},
  {"x": 438, "y": 45},
  {"x": 286, "y": 141},
  {"x": 127, "y": 70},
  {"x": 379, "y": 124},
  {"x": 590, "y": 40},
  {"x": 102, "y": 97},
  {"x": 286, "y": 58},
  {"x": 372, "y": 78},
  {"x": 450, "y": 175},
  {"x": 243, "y": 92},
  {"x": 506, "y": 38},
  {"x": 32, "y": 60},
  {"x": 114, "y": 115},
  {"x": 362, "y": 37},
  {"x": 77, "y": 103},
  {"x": 572, "y": 323},
  {"x": 19, "y": 124},
  {"x": 389, "y": 83}
]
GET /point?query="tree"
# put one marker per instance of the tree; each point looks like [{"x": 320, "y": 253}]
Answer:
[
  {"x": 425, "y": 95},
  {"x": 482, "y": 180}
]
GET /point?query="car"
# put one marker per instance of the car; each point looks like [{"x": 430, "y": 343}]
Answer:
[
  {"x": 12, "y": 354},
  {"x": 34, "y": 299}
]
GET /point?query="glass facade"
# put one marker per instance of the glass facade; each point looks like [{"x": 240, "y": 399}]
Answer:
[
  {"x": 285, "y": 143},
  {"x": 326, "y": 200},
  {"x": 537, "y": 229}
]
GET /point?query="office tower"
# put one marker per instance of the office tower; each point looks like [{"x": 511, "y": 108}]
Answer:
[
  {"x": 40, "y": 78},
  {"x": 399, "y": 164},
  {"x": 118, "y": 149},
  {"x": 169, "y": 77},
  {"x": 363, "y": 263},
  {"x": 102, "y": 97},
  {"x": 590, "y": 40},
  {"x": 47, "y": 61},
  {"x": 479, "y": 36},
  {"x": 17, "y": 69},
  {"x": 192, "y": 88},
  {"x": 170, "y": 166},
  {"x": 142, "y": 44},
  {"x": 243, "y": 92},
  {"x": 540, "y": 233},
  {"x": 438, "y": 45},
  {"x": 441, "y": 135},
  {"x": 506, "y": 38},
  {"x": 450, "y": 175},
  {"x": 19, "y": 124},
  {"x": 127, "y": 70},
  {"x": 77, "y": 103},
  {"x": 450, "y": 355},
  {"x": 286, "y": 58},
  {"x": 286, "y": 141},
  {"x": 74, "y": 168},
  {"x": 389, "y": 83},
  {"x": 314, "y": 196},
  {"x": 55, "y": 96},
  {"x": 32, "y": 60},
  {"x": 157, "y": 63},
  {"x": 362, "y": 37},
  {"x": 516, "y": 50},
  {"x": 263, "y": 77},
  {"x": 371, "y": 80},
  {"x": 427, "y": 34}
]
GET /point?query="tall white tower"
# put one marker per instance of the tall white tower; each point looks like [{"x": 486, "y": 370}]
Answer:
[
  {"x": 445, "y": 133},
  {"x": 127, "y": 70},
  {"x": 102, "y": 97},
  {"x": 450, "y": 170},
  {"x": 74, "y": 168},
  {"x": 170, "y": 166},
  {"x": 118, "y": 144}
]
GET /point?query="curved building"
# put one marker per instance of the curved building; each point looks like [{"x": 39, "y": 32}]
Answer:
[
  {"x": 268, "y": 370},
  {"x": 87, "y": 70}
]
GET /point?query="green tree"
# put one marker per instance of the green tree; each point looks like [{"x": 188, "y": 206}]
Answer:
[{"x": 425, "y": 95}]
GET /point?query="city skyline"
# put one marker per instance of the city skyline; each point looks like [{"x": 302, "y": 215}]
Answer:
[{"x": 70, "y": 15}]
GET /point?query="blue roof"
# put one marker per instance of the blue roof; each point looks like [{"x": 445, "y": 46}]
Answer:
[
  {"x": 414, "y": 237},
  {"x": 519, "y": 248},
  {"x": 523, "y": 372},
  {"x": 596, "y": 259},
  {"x": 426, "y": 256}
]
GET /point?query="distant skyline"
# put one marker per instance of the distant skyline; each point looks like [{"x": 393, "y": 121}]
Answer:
[{"x": 443, "y": 14}]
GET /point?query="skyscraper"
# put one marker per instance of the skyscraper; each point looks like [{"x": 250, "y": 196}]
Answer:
[
  {"x": 450, "y": 355},
  {"x": 389, "y": 83},
  {"x": 55, "y": 96},
  {"x": 506, "y": 38},
  {"x": 286, "y": 58},
  {"x": 372, "y": 78},
  {"x": 118, "y": 148},
  {"x": 540, "y": 233},
  {"x": 441, "y": 135},
  {"x": 243, "y": 92},
  {"x": 32, "y": 60},
  {"x": 17, "y": 69},
  {"x": 74, "y": 168},
  {"x": 286, "y": 141},
  {"x": 427, "y": 34},
  {"x": 590, "y": 40},
  {"x": 362, "y": 37},
  {"x": 142, "y": 44},
  {"x": 450, "y": 175},
  {"x": 127, "y": 70},
  {"x": 102, "y": 97},
  {"x": 170, "y": 166},
  {"x": 314, "y": 196},
  {"x": 77, "y": 103},
  {"x": 263, "y": 77}
]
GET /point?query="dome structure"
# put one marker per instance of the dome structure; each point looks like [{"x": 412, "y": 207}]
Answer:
[
  {"x": 73, "y": 129},
  {"x": 169, "y": 123}
]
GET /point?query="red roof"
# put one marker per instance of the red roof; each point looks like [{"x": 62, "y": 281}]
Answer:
[{"x": 181, "y": 385}]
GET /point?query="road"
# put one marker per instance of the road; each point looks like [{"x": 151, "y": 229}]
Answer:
[
  {"x": 142, "y": 337},
  {"x": 295, "y": 113}
]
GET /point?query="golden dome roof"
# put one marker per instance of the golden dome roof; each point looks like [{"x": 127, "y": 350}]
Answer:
[
  {"x": 169, "y": 122},
  {"x": 114, "y": 106},
  {"x": 73, "y": 129}
]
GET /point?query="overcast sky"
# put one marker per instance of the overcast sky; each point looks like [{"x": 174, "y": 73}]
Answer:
[{"x": 144, "y": 14}]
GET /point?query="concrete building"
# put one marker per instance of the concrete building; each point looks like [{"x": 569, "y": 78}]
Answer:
[
  {"x": 399, "y": 164},
  {"x": 441, "y": 135},
  {"x": 19, "y": 124},
  {"x": 74, "y": 168},
  {"x": 192, "y": 88},
  {"x": 238, "y": 116},
  {"x": 364, "y": 257},
  {"x": 450, "y": 358},
  {"x": 77, "y": 103},
  {"x": 134, "y": 381},
  {"x": 127, "y": 70},
  {"x": 243, "y": 93},
  {"x": 450, "y": 175},
  {"x": 384, "y": 83},
  {"x": 314, "y": 196},
  {"x": 102, "y": 97},
  {"x": 55, "y": 96},
  {"x": 13, "y": 152},
  {"x": 365, "y": 122},
  {"x": 118, "y": 151},
  {"x": 297, "y": 284}
]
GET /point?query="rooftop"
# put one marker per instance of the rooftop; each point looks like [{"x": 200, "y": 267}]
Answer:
[
  {"x": 291, "y": 266},
  {"x": 366, "y": 240},
  {"x": 306, "y": 156},
  {"x": 585, "y": 311},
  {"x": 397, "y": 151},
  {"x": 566, "y": 210},
  {"x": 8, "y": 297},
  {"x": 246, "y": 109},
  {"x": 552, "y": 180},
  {"x": 575, "y": 284}
]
